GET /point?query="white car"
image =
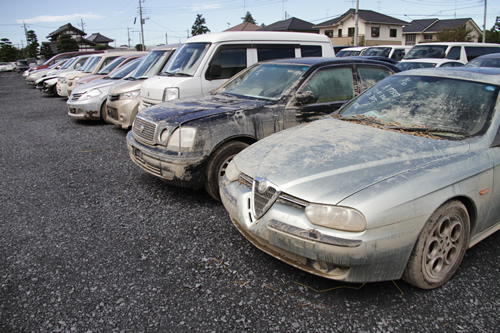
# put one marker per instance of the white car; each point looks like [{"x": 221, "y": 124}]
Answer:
[{"x": 428, "y": 63}]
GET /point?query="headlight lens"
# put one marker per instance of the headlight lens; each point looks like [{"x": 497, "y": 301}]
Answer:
[
  {"x": 130, "y": 94},
  {"x": 170, "y": 94},
  {"x": 91, "y": 94},
  {"x": 334, "y": 217},
  {"x": 232, "y": 172},
  {"x": 183, "y": 138}
]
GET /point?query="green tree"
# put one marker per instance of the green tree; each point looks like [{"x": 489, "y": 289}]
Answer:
[
  {"x": 32, "y": 47},
  {"x": 46, "y": 51},
  {"x": 100, "y": 47},
  {"x": 199, "y": 27},
  {"x": 248, "y": 18},
  {"x": 138, "y": 47},
  {"x": 493, "y": 35},
  {"x": 66, "y": 44},
  {"x": 457, "y": 34},
  {"x": 7, "y": 51}
]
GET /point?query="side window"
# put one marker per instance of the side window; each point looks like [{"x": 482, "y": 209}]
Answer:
[
  {"x": 398, "y": 55},
  {"x": 371, "y": 75},
  {"x": 454, "y": 53},
  {"x": 270, "y": 53},
  {"x": 331, "y": 85},
  {"x": 476, "y": 51},
  {"x": 227, "y": 62},
  {"x": 311, "y": 51},
  {"x": 107, "y": 61}
]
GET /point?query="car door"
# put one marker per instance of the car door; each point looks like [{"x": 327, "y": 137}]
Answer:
[{"x": 328, "y": 88}]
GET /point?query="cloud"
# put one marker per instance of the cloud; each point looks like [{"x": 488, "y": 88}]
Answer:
[
  {"x": 61, "y": 18},
  {"x": 201, "y": 7}
]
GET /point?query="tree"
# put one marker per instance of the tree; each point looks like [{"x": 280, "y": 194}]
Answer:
[
  {"x": 493, "y": 35},
  {"x": 248, "y": 18},
  {"x": 32, "y": 47},
  {"x": 458, "y": 34},
  {"x": 199, "y": 27},
  {"x": 66, "y": 44},
  {"x": 46, "y": 51},
  {"x": 138, "y": 47},
  {"x": 101, "y": 47},
  {"x": 7, "y": 51}
]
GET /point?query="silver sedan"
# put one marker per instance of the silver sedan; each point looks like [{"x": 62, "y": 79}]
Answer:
[{"x": 397, "y": 184}]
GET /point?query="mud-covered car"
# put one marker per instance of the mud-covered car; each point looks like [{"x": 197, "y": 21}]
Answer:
[
  {"x": 398, "y": 183},
  {"x": 188, "y": 142}
]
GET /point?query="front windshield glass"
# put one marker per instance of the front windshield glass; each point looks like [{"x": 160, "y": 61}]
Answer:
[
  {"x": 267, "y": 81},
  {"x": 378, "y": 51},
  {"x": 186, "y": 59},
  {"x": 112, "y": 65},
  {"x": 151, "y": 64},
  {"x": 91, "y": 64},
  {"x": 425, "y": 104},
  {"x": 68, "y": 63},
  {"x": 125, "y": 70},
  {"x": 427, "y": 51},
  {"x": 404, "y": 66},
  {"x": 343, "y": 53}
]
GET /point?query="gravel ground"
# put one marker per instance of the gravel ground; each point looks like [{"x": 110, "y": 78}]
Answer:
[{"x": 89, "y": 243}]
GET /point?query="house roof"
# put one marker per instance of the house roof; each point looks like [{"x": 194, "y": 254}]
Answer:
[
  {"x": 435, "y": 25},
  {"x": 369, "y": 16},
  {"x": 291, "y": 24},
  {"x": 64, "y": 28},
  {"x": 245, "y": 26},
  {"x": 99, "y": 39}
]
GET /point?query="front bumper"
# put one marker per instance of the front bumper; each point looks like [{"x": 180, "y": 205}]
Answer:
[
  {"x": 122, "y": 112},
  {"x": 88, "y": 109},
  {"x": 62, "y": 89},
  {"x": 167, "y": 165},
  {"x": 285, "y": 233}
]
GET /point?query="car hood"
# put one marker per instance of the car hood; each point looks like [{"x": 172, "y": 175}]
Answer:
[
  {"x": 125, "y": 85},
  {"x": 186, "y": 109},
  {"x": 328, "y": 160},
  {"x": 95, "y": 84}
]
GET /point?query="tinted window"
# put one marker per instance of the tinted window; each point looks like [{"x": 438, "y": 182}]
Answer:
[
  {"x": 331, "y": 84},
  {"x": 398, "y": 54},
  {"x": 311, "y": 51},
  {"x": 454, "y": 53},
  {"x": 231, "y": 61},
  {"x": 476, "y": 51},
  {"x": 269, "y": 53}
]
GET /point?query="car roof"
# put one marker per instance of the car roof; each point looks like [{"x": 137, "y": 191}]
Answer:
[
  {"x": 431, "y": 60},
  {"x": 479, "y": 74},
  {"x": 282, "y": 36},
  {"x": 320, "y": 61}
]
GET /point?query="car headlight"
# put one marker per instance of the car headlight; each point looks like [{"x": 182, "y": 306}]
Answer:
[
  {"x": 334, "y": 217},
  {"x": 232, "y": 172},
  {"x": 182, "y": 138},
  {"x": 130, "y": 94},
  {"x": 62, "y": 80},
  {"x": 91, "y": 94},
  {"x": 170, "y": 94}
]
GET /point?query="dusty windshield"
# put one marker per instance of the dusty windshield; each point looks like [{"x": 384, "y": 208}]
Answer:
[
  {"x": 424, "y": 104},
  {"x": 266, "y": 81},
  {"x": 150, "y": 65},
  {"x": 186, "y": 59},
  {"x": 427, "y": 51}
]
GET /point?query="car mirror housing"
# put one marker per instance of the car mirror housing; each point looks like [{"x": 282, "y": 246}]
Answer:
[{"x": 304, "y": 97}]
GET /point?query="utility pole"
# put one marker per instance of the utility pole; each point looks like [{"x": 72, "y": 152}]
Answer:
[
  {"x": 81, "y": 20},
  {"x": 128, "y": 36},
  {"x": 142, "y": 28},
  {"x": 356, "y": 16},
  {"x": 484, "y": 24}
]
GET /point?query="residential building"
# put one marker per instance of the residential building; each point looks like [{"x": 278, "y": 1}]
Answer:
[
  {"x": 245, "y": 26},
  {"x": 423, "y": 31},
  {"x": 373, "y": 29},
  {"x": 84, "y": 44}
]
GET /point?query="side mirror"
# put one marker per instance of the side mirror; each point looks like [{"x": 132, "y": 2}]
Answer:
[
  {"x": 214, "y": 71},
  {"x": 304, "y": 97}
]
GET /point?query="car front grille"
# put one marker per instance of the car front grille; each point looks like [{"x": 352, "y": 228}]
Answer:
[
  {"x": 144, "y": 130},
  {"x": 113, "y": 97},
  {"x": 264, "y": 194}
]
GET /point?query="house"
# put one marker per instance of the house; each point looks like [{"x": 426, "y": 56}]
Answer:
[
  {"x": 373, "y": 29},
  {"x": 291, "y": 24},
  {"x": 245, "y": 26},
  {"x": 422, "y": 31},
  {"x": 84, "y": 44}
]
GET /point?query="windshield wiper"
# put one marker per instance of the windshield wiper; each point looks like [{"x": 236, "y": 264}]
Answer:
[
  {"x": 361, "y": 119},
  {"x": 428, "y": 130}
]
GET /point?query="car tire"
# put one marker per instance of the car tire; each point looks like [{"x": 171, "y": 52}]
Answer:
[
  {"x": 440, "y": 247},
  {"x": 104, "y": 111},
  {"x": 217, "y": 165}
]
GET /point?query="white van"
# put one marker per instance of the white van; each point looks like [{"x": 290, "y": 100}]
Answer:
[
  {"x": 204, "y": 62},
  {"x": 396, "y": 52},
  {"x": 463, "y": 52}
]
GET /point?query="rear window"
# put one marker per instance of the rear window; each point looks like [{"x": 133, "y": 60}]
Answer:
[
  {"x": 311, "y": 51},
  {"x": 270, "y": 53}
]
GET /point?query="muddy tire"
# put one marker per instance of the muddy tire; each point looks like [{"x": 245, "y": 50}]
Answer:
[
  {"x": 440, "y": 247},
  {"x": 104, "y": 111},
  {"x": 217, "y": 165}
]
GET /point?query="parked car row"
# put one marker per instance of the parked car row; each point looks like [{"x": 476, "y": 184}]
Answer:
[{"x": 345, "y": 167}]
